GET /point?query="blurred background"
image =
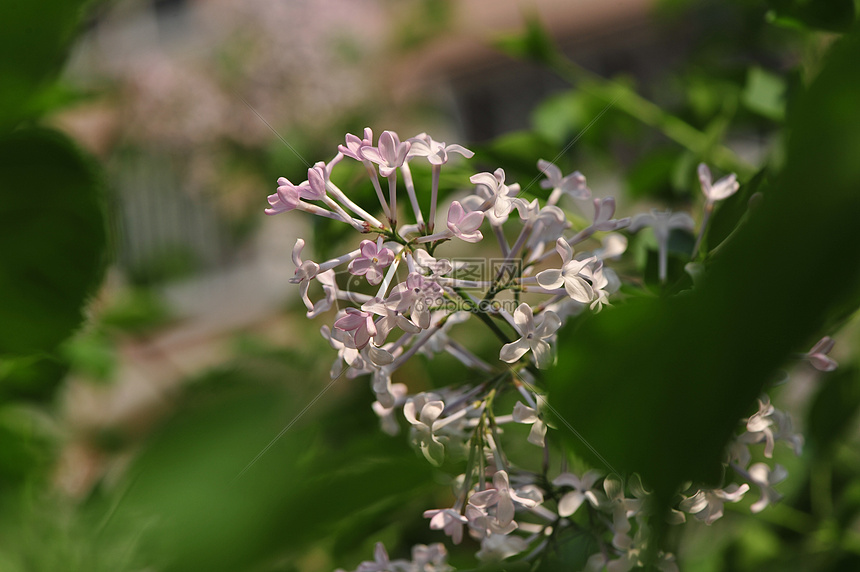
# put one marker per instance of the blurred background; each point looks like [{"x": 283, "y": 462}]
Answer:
[{"x": 124, "y": 432}]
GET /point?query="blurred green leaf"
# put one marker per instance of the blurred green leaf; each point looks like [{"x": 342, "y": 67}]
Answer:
[
  {"x": 32, "y": 377},
  {"x": 533, "y": 44},
  {"x": 53, "y": 240},
  {"x": 835, "y": 407},
  {"x": 764, "y": 94},
  {"x": 833, "y": 15},
  {"x": 34, "y": 37},
  {"x": 207, "y": 513},
  {"x": 650, "y": 176},
  {"x": 558, "y": 116},
  {"x": 657, "y": 386}
]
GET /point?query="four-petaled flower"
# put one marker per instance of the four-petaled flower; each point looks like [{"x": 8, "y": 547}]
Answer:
[
  {"x": 582, "y": 491},
  {"x": 572, "y": 275},
  {"x": 374, "y": 257},
  {"x": 436, "y": 152},
  {"x": 573, "y": 184},
  {"x": 524, "y": 414},
  {"x": 389, "y": 155},
  {"x": 359, "y": 324},
  {"x": 722, "y": 189},
  {"x": 534, "y": 337},
  {"x": 502, "y": 497}
]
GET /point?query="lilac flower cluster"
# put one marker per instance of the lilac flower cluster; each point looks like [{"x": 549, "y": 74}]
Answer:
[{"x": 420, "y": 297}]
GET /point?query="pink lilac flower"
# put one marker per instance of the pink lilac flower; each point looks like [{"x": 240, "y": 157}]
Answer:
[
  {"x": 374, "y": 258},
  {"x": 359, "y": 324},
  {"x": 354, "y": 144},
  {"x": 818, "y": 357},
  {"x": 389, "y": 155},
  {"x": 465, "y": 225}
]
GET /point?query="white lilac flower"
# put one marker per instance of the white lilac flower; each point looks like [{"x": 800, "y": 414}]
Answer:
[
  {"x": 448, "y": 520},
  {"x": 390, "y": 320},
  {"x": 502, "y": 497},
  {"x": 481, "y": 524},
  {"x": 432, "y": 558},
  {"x": 551, "y": 223},
  {"x": 571, "y": 275},
  {"x": 524, "y": 414},
  {"x": 818, "y": 357},
  {"x": 306, "y": 270},
  {"x": 432, "y": 267},
  {"x": 764, "y": 478},
  {"x": 759, "y": 427},
  {"x": 436, "y": 152},
  {"x": 497, "y": 547},
  {"x": 422, "y": 411},
  {"x": 387, "y": 419},
  {"x": 416, "y": 295},
  {"x": 373, "y": 259},
  {"x": 573, "y": 184},
  {"x": 329, "y": 286},
  {"x": 707, "y": 505},
  {"x": 465, "y": 225},
  {"x": 622, "y": 510},
  {"x": 534, "y": 337},
  {"x": 345, "y": 354},
  {"x": 662, "y": 223},
  {"x": 381, "y": 562},
  {"x": 502, "y": 198},
  {"x": 613, "y": 245},
  {"x": 583, "y": 490},
  {"x": 722, "y": 189}
]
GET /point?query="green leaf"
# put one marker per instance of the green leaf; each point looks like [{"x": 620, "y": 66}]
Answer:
[
  {"x": 533, "y": 44},
  {"x": 833, "y": 15},
  {"x": 764, "y": 94},
  {"x": 34, "y": 36},
  {"x": 834, "y": 408},
  {"x": 52, "y": 241},
  {"x": 657, "y": 386}
]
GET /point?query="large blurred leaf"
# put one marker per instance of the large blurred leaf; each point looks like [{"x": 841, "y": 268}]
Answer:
[
  {"x": 34, "y": 37},
  {"x": 658, "y": 386},
  {"x": 52, "y": 240},
  {"x": 205, "y": 513}
]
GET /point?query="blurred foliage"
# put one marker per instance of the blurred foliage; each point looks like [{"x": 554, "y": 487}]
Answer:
[{"x": 260, "y": 466}]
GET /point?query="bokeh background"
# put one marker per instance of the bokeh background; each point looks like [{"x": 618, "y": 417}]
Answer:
[{"x": 150, "y": 343}]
